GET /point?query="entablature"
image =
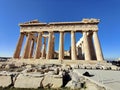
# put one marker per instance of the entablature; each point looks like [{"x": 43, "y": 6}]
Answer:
[{"x": 84, "y": 25}]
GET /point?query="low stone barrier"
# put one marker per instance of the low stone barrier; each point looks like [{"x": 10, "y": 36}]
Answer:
[
  {"x": 5, "y": 81},
  {"x": 53, "y": 81},
  {"x": 7, "y": 78},
  {"x": 27, "y": 81}
]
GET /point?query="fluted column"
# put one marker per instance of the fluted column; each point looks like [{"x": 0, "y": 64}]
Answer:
[
  {"x": 44, "y": 48},
  {"x": 49, "y": 46},
  {"x": 61, "y": 46},
  {"x": 19, "y": 46},
  {"x": 52, "y": 47},
  {"x": 27, "y": 46},
  {"x": 38, "y": 46},
  {"x": 73, "y": 46},
  {"x": 82, "y": 48},
  {"x": 86, "y": 47},
  {"x": 92, "y": 50},
  {"x": 31, "y": 49},
  {"x": 98, "y": 50},
  {"x": 80, "y": 53}
]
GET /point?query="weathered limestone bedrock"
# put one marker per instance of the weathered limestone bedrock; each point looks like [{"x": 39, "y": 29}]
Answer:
[{"x": 43, "y": 76}]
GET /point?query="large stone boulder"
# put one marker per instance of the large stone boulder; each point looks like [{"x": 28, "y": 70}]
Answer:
[
  {"x": 7, "y": 78},
  {"x": 56, "y": 70},
  {"x": 10, "y": 66},
  {"x": 65, "y": 67},
  {"x": 7, "y": 66},
  {"x": 19, "y": 64},
  {"x": 74, "y": 77},
  {"x": 114, "y": 67},
  {"x": 3, "y": 65},
  {"x": 28, "y": 81},
  {"x": 76, "y": 82},
  {"x": 75, "y": 85},
  {"x": 5, "y": 81},
  {"x": 52, "y": 81},
  {"x": 28, "y": 66}
]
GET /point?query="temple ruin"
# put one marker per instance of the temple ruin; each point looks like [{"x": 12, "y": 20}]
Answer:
[{"x": 40, "y": 41}]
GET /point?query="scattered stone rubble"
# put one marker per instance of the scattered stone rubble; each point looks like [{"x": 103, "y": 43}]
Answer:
[{"x": 21, "y": 75}]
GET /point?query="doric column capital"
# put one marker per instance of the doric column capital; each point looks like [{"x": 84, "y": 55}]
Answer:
[
  {"x": 84, "y": 32},
  {"x": 61, "y": 31},
  {"x": 50, "y": 31},
  {"x": 73, "y": 31}
]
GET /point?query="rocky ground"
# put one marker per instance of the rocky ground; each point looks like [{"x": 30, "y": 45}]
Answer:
[{"x": 48, "y": 76}]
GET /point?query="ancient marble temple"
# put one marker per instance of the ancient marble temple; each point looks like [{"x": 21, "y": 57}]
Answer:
[{"x": 35, "y": 35}]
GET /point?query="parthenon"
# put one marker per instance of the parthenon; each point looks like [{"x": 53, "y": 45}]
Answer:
[{"x": 37, "y": 34}]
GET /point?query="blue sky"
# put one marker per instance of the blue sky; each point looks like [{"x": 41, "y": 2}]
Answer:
[{"x": 12, "y": 12}]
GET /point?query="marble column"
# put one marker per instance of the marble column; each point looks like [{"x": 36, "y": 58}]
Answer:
[
  {"x": 80, "y": 53},
  {"x": 73, "y": 46},
  {"x": 52, "y": 47},
  {"x": 38, "y": 46},
  {"x": 31, "y": 49},
  {"x": 92, "y": 50},
  {"x": 86, "y": 47},
  {"x": 27, "y": 46},
  {"x": 19, "y": 46},
  {"x": 98, "y": 50},
  {"x": 44, "y": 48},
  {"x": 49, "y": 46},
  {"x": 61, "y": 46},
  {"x": 82, "y": 49}
]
